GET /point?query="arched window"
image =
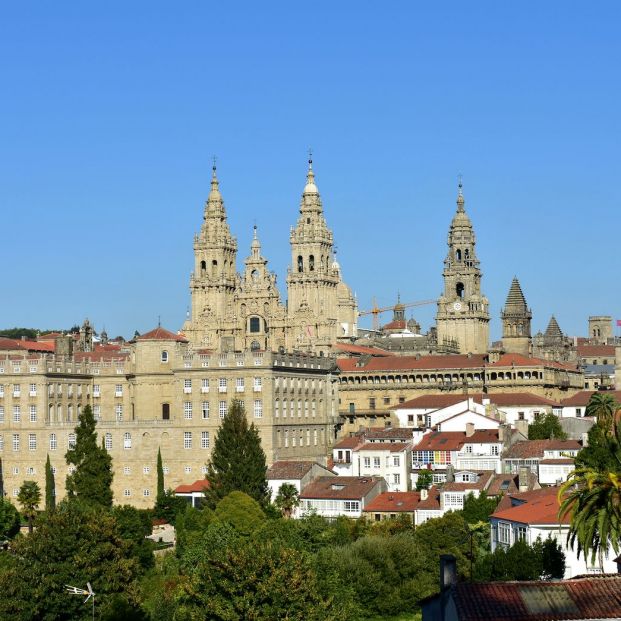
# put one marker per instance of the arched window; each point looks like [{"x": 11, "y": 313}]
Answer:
[
  {"x": 458, "y": 255},
  {"x": 466, "y": 254},
  {"x": 300, "y": 264},
  {"x": 459, "y": 289},
  {"x": 164, "y": 356},
  {"x": 214, "y": 267},
  {"x": 127, "y": 440},
  {"x": 255, "y": 346},
  {"x": 255, "y": 275},
  {"x": 311, "y": 263},
  {"x": 203, "y": 267}
]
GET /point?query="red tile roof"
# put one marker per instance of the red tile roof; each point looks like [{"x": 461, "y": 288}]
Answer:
[
  {"x": 197, "y": 486},
  {"x": 531, "y": 449},
  {"x": 101, "y": 355},
  {"x": 349, "y": 443},
  {"x": 592, "y": 597},
  {"x": 454, "y": 440},
  {"x": 341, "y": 488},
  {"x": 161, "y": 334},
  {"x": 582, "y": 398},
  {"x": 18, "y": 344},
  {"x": 432, "y": 502},
  {"x": 399, "y": 324},
  {"x": 289, "y": 469},
  {"x": 389, "y": 433},
  {"x": 393, "y": 447},
  {"x": 537, "y": 507},
  {"x": 395, "y": 502},
  {"x": 402, "y": 363},
  {"x": 557, "y": 462},
  {"x": 455, "y": 486},
  {"x": 361, "y": 349},
  {"x": 443, "y": 400},
  {"x": 585, "y": 351},
  {"x": 517, "y": 360}
]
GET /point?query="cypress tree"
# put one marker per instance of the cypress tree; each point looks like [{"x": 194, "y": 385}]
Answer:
[
  {"x": 160, "y": 474},
  {"x": 1, "y": 481},
  {"x": 238, "y": 461},
  {"x": 50, "y": 487},
  {"x": 92, "y": 479}
]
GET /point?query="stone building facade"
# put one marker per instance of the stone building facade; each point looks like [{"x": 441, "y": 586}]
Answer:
[
  {"x": 463, "y": 311},
  {"x": 157, "y": 392},
  {"x": 516, "y": 317},
  {"x": 233, "y": 312}
]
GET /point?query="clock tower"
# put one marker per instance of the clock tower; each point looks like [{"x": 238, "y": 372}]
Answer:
[{"x": 463, "y": 312}]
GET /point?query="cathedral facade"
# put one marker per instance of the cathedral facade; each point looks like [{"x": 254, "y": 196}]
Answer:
[{"x": 233, "y": 311}]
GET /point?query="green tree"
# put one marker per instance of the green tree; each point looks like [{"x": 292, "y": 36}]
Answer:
[
  {"x": 478, "y": 509},
  {"x": 546, "y": 427},
  {"x": 29, "y": 498},
  {"x": 134, "y": 526},
  {"x": 50, "y": 486},
  {"x": 552, "y": 558},
  {"x": 602, "y": 406},
  {"x": 241, "y": 511},
  {"x": 160, "y": 474},
  {"x": 287, "y": 499},
  {"x": 238, "y": 461},
  {"x": 91, "y": 480},
  {"x": 169, "y": 507},
  {"x": 424, "y": 480},
  {"x": 9, "y": 520},
  {"x": 72, "y": 545}
]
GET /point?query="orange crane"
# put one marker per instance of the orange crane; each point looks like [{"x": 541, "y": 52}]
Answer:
[{"x": 376, "y": 311}]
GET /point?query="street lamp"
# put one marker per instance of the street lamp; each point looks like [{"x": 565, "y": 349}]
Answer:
[{"x": 89, "y": 593}]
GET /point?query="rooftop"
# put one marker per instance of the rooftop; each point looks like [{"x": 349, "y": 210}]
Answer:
[
  {"x": 340, "y": 488},
  {"x": 394, "y": 502},
  {"x": 535, "y": 507},
  {"x": 289, "y": 469},
  {"x": 529, "y": 449}
]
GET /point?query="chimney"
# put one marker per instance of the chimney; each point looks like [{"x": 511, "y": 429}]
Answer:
[
  {"x": 585, "y": 439},
  {"x": 522, "y": 427},
  {"x": 424, "y": 494},
  {"x": 469, "y": 430},
  {"x": 448, "y": 571},
  {"x": 523, "y": 478},
  {"x": 450, "y": 474}
]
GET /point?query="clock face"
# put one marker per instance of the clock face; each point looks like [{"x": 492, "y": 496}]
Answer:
[{"x": 457, "y": 306}]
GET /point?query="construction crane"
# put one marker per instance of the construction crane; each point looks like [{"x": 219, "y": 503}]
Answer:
[{"x": 376, "y": 311}]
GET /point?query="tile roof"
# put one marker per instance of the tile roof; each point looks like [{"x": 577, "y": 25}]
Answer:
[
  {"x": 18, "y": 344},
  {"x": 595, "y": 350},
  {"x": 161, "y": 334},
  {"x": 530, "y": 449},
  {"x": 393, "y": 447},
  {"x": 536, "y": 507},
  {"x": 388, "y": 433},
  {"x": 443, "y": 400},
  {"x": 582, "y": 398},
  {"x": 198, "y": 486},
  {"x": 454, "y": 440},
  {"x": 360, "y": 349},
  {"x": 399, "y": 324},
  {"x": 100, "y": 355},
  {"x": 592, "y": 597},
  {"x": 341, "y": 488},
  {"x": 509, "y": 483},
  {"x": 432, "y": 502},
  {"x": 351, "y": 442},
  {"x": 481, "y": 484},
  {"x": 557, "y": 462},
  {"x": 395, "y": 502},
  {"x": 289, "y": 469},
  {"x": 401, "y": 363}
]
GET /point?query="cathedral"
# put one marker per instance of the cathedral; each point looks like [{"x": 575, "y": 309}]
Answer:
[{"x": 233, "y": 311}]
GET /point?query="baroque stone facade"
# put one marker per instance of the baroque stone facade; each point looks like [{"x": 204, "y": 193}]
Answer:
[{"x": 233, "y": 312}]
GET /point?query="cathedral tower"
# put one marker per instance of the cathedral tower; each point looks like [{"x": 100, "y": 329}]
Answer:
[
  {"x": 516, "y": 316},
  {"x": 463, "y": 312},
  {"x": 213, "y": 282}
]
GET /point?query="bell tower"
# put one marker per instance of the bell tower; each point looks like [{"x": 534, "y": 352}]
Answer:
[
  {"x": 213, "y": 282},
  {"x": 463, "y": 312},
  {"x": 516, "y": 318}
]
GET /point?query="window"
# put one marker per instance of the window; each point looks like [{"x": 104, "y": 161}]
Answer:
[
  {"x": 372, "y": 403},
  {"x": 118, "y": 390},
  {"x": 367, "y": 462},
  {"x": 33, "y": 413},
  {"x": 205, "y": 439},
  {"x": 520, "y": 415},
  {"x": 222, "y": 384},
  {"x": 127, "y": 440},
  {"x": 164, "y": 356},
  {"x": 277, "y": 408},
  {"x": 118, "y": 409},
  {"x": 1, "y": 390},
  {"x": 453, "y": 500},
  {"x": 205, "y": 409},
  {"x": 204, "y": 385},
  {"x": 255, "y": 324},
  {"x": 257, "y": 384},
  {"x": 222, "y": 409},
  {"x": 386, "y": 400},
  {"x": 396, "y": 479},
  {"x": 16, "y": 441},
  {"x": 32, "y": 441},
  {"x": 187, "y": 410},
  {"x": 165, "y": 411},
  {"x": 17, "y": 391},
  {"x": 127, "y": 470},
  {"x": 187, "y": 469},
  {"x": 71, "y": 441},
  {"x": 396, "y": 461},
  {"x": 239, "y": 384},
  {"x": 30, "y": 470},
  {"x": 146, "y": 469},
  {"x": 504, "y": 533},
  {"x": 239, "y": 360},
  {"x": 166, "y": 470},
  {"x": 187, "y": 386},
  {"x": 258, "y": 408},
  {"x": 204, "y": 469},
  {"x": 468, "y": 448},
  {"x": 495, "y": 449},
  {"x": 32, "y": 390},
  {"x": 1, "y": 413},
  {"x": 351, "y": 506},
  {"x": 96, "y": 390},
  {"x": 1, "y": 442},
  {"x": 127, "y": 492},
  {"x": 521, "y": 533},
  {"x": 187, "y": 439},
  {"x": 16, "y": 414},
  {"x": 53, "y": 442},
  {"x": 376, "y": 462},
  {"x": 108, "y": 441},
  {"x": 97, "y": 412}
]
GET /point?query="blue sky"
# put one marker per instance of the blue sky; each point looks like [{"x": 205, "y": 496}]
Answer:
[{"x": 110, "y": 114}]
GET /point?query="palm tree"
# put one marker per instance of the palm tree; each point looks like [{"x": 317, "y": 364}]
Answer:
[
  {"x": 29, "y": 497},
  {"x": 287, "y": 499},
  {"x": 602, "y": 407},
  {"x": 592, "y": 499}
]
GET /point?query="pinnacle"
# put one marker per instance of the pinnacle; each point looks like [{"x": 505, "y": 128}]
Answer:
[
  {"x": 515, "y": 299},
  {"x": 553, "y": 328}
]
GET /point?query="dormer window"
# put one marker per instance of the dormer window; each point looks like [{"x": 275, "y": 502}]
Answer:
[{"x": 164, "y": 356}]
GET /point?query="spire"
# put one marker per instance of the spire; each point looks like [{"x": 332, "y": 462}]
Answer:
[
  {"x": 310, "y": 187},
  {"x": 515, "y": 299},
  {"x": 460, "y": 194},
  {"x": 255, "y": 246},
  {"x": 214, "y": 205},
  {"x": 215, "y": 188},
  {"x": 553, "y": 329}
]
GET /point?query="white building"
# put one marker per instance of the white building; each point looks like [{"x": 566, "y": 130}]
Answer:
[{"x": 390, "y": 460}]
